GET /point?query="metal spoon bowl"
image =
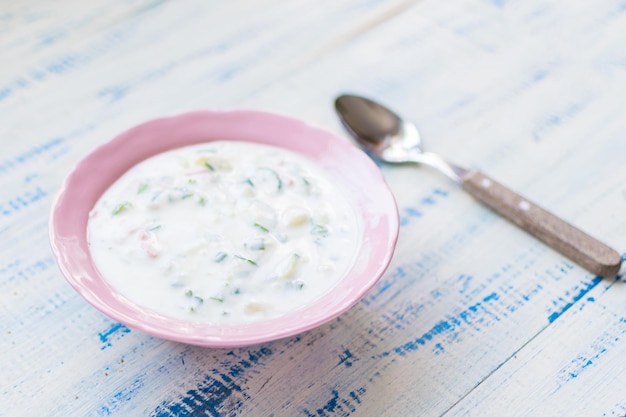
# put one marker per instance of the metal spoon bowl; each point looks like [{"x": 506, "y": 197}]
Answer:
[{"x": 389, "y": 138}]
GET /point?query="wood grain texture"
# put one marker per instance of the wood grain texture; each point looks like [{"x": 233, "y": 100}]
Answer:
[
  {"x": 577, "y": 245},
  {"x": 473, "y": 317}
]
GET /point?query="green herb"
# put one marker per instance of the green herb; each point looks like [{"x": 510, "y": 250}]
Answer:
[
  {"x": 142, "y": 187},
  {"x": 217, "y": 298},
  {"x": 269, "y": 178},
  {"x": 189, "y": 293},
  {"x": 260, "y": 226},
  {"x": 249, "y": 181},
  {"x": 220, "y": 256},
  {"x": 307, "y": 185},
  {"x": 298, "y": 284},
  {"x": 153, "y": 228},
  {"x": 236, "y": 291},
  {"x": 250, "y": 261},
  {"x": 209, "y": 166},
  {"x": 122, "y": 207},
  {"x": 200, "y": 299},
  {"x": 192, "y": 181}
]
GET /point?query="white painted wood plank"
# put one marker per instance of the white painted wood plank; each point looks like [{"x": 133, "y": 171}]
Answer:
[
  {"x": 469, "y": 300},
  {"x": 571, "y": 368}
]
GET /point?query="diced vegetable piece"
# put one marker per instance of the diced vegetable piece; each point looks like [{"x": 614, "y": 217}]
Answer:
[
  {"x": 142, "y": 188},
  {"x": 122, "y": 207},
  {"x": 319, "y": 230},
  {"x": 220, "y": 256},
  {"x": 255, "y": 307},
  {"x": 257, "y": 243},
  {"x": 289, "y": 266},
  {"x": 295, "y": 216}
]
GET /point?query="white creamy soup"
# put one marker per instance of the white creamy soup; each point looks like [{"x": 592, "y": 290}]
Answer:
[{"x": 224, "y": 232}]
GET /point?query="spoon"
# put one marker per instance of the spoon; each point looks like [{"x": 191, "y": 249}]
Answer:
[{"x": 388, "y": 138}]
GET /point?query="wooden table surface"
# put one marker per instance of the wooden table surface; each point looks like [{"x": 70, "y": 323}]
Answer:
[{"x": 473, "y": 317}]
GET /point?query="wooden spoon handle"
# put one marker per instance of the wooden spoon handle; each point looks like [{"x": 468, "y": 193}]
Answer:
[{"x": 583, "y": 249}]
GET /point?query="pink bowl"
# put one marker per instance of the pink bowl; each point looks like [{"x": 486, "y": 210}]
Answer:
[{"x": 93, "y": 175}]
